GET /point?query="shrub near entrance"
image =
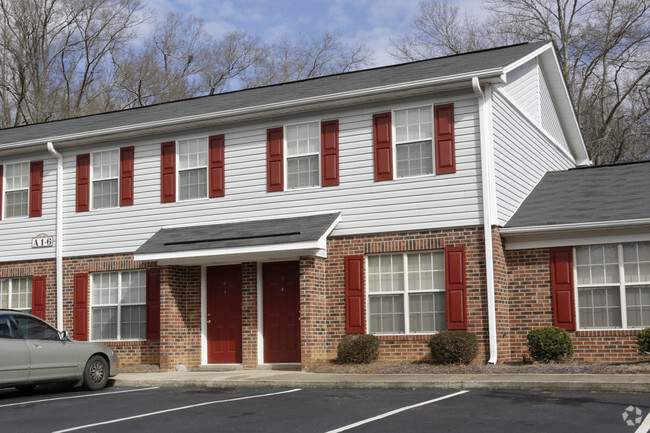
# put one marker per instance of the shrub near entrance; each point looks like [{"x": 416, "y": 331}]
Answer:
[
  {"x": 453, "y": 347},
  {"x": 549, "y": 343},
  {"x": 357, "y": 349}
]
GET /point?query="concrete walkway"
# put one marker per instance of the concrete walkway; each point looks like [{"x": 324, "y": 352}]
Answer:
[{"x": 296, "y": 379}]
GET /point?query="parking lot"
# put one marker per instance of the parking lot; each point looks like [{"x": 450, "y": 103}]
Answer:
[{"x": 318, "y": 410}]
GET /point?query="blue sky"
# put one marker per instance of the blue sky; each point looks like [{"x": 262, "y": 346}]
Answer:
[{"x": 374, "y": 21}]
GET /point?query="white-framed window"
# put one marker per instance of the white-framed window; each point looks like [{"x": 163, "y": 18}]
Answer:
[
  {"x": 118, "y": 305},
  {"x": 105, "y": 177},
  {"x": 16, "y": 178},
  {"x": 613, "y": 285},
  {"x": 406, "y": 293},
  {"x": 303, "y": 155},
  {"x": 16, "y": 294},
  {"x": 192, "y": 168},
  {"x": 413, "y": 128}
]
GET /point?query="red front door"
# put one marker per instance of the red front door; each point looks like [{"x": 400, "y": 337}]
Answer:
[
  {"x": 224, "y": 315},
  {"x": 281, "y": 302}
]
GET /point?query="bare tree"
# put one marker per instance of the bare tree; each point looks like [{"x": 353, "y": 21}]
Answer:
[
  {"x": 55, "y": 55},
  {"x": 603, "y": 49}
]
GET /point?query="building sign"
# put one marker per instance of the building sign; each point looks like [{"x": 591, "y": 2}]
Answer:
[{"x": 42, "y": 241}]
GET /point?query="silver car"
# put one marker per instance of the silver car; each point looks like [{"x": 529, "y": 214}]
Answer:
[{"x": 32, "y": 352}]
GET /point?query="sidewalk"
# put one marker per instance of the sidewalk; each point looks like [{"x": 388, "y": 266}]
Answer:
[{"x": 296, "y": 379}]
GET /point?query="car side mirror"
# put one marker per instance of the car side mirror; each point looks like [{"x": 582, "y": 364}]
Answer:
[{"x": 64, "y": 336}]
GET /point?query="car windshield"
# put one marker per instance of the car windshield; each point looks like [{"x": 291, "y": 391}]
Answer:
[{"x": 34, "y": 329}]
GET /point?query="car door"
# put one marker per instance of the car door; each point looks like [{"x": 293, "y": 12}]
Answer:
[
  {"x": 14, "y": 361},
  {"x": 51, "y": 358}
]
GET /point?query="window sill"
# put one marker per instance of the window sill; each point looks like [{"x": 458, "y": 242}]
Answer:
[
  {"x": 122, "y": 343},
  {"x": 404, "y": 337},
  {"x": 607, "y": 332}
]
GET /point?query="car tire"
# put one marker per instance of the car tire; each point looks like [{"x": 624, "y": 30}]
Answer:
[{"x": 95, "y": 373}]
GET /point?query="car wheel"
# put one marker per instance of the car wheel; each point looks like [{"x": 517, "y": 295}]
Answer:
[{"x": 96, "y": 373}]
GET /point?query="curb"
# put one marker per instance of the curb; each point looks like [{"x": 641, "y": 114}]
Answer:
[{"x": 534, "y": 384}]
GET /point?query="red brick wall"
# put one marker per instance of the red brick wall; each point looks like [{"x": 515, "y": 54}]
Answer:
[
  {"x": 313, "y": 309},
  {"x": 249, "y": 315},
  {"x": 36, "y": 268},
  {"x": 402, "y": 347},
  {"x": 530, "y": 300}
]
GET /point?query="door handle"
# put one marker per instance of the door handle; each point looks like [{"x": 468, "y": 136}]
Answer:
[
  {"x": 37, "y": 346},
  {"x": 209, "y": 321}
]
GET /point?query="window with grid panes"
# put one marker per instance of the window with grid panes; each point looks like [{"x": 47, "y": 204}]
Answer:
[
  {"x": 406, "y": 293},
  {"x": 193, "y": 168},
  {"x": 118, "y": 305},
  {"x": 303, "y": 155},
  {"x": 613, "y": 284},
  {"x": 414, "y": 141},
  {"x": 16, "y": 190},
  {"x": 16, "y": 294},
  {"x": 105, "y": 176}
]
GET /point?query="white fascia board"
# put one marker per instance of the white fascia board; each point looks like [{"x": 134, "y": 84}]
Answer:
[
  {"x": 322, "y": 241},
  {"x": 312, "y": 247},
  {"x": 577, "y": 237},
  {"x": 536, "y": 125},
  {"x": 527, "y": 58},
  {"x": 494, "y": 75},
  {"x": 551, "y": 66},
  {"x": 599, "y": 225}
]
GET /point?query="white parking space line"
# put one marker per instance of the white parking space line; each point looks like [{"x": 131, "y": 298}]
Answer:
[
  {"x": 143, "y": 415},
  {"x": 645, "y": 425},
  {"x": 393, "y": 412},
  {"x": 77, "y": 396}
]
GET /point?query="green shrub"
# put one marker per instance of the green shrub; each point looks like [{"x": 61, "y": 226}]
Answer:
[
  {"x": 453, "y": 347},
  {"x": 549, "y": 343},
  {"x": 357, "y": 349},
  {"x": 643, "y": 341}
]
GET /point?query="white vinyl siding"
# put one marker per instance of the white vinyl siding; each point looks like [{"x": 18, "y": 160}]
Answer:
[
  {"x": 522, "y": 155},
  {"x": 523, "y": 88},
  {"x": 16, "y": 294},
  {"x": 118, "y": 305},
  {"x": 613, "y": 285},
  {"x": 410, "y": 203},
  {"x": 406, "y": 293},
  {"x": 549, "y": 117},
  {"x": 16, "y": 200}
]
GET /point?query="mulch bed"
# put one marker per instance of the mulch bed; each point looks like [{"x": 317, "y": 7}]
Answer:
[{"x": 572, "y": 366}]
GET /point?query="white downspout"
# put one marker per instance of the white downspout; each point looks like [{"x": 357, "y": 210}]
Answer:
[
  {"x": 489, "y": 206},
  {"x": 58, "y": 240}
]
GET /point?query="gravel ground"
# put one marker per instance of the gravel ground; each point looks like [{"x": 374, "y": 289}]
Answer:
[{"x": 423, "y": 367}]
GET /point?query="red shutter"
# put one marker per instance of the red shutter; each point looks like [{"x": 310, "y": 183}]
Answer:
[
  {"x": 1, "y": 194},
  {"x": 445, "y": 143},
  {"x": 35, "y": 189},
  {"x": 153, "y": 304},
  {"x": 274, "y": 159},
  {"x": 383, "y": 141},
  {"x": 80, "y": 324},
  {"x": 38, "y": 296},
  {"x": 168, "y": 172},
  {"x": 354, "y": 295},
  {"x": 217, "y": 167},
  {"x": 330, "y": 152},
  {"x": 455, "y": 283},
  {"x": 562, "y": 288},
  {"x": 83, "y": 182},
  {"x": 126, "y": 175}
]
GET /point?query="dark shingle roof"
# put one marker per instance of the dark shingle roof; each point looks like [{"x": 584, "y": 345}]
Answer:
[
  {"x": 332, "y": 84},
  {"x": 239, "y": 234},
  {"x": 583, "y": 195}
]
